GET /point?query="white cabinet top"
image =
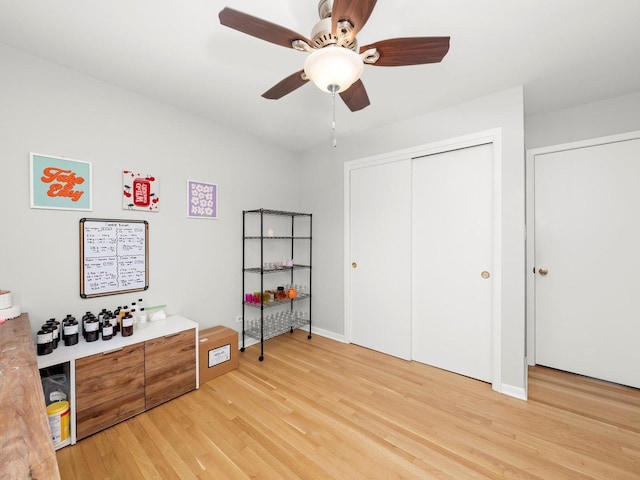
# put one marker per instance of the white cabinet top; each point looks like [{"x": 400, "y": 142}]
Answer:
[{"x": 141, "y": 333}]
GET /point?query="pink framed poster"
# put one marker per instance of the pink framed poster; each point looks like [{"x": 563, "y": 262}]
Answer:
[{"x": 139, "y": 192}]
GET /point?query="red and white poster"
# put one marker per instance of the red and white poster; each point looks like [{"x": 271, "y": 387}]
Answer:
[{"x": 139, "y": 191}]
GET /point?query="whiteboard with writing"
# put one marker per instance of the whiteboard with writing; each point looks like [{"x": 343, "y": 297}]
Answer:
[{"x": 113, "y": 256}]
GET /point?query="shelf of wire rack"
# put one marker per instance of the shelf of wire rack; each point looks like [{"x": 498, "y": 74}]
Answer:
[
  {"x": 276, "y": 303},
  {"x": 276, "y": 324},
  {"x": 266, "y": 271},
  {"x": 273, "y": 314}
]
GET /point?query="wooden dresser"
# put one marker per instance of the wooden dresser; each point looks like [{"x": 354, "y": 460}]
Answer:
[
  {"x": 26, "y": 450},
  {"x": 110, "y": 381}
]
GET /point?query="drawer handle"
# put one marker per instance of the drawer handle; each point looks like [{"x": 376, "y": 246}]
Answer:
[
  {"x": 112, "y": 351},
  {"x": 172, "y": 335}
]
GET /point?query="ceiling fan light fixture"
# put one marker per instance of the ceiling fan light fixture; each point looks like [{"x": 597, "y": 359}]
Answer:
[{"x": 333, "y": 69}]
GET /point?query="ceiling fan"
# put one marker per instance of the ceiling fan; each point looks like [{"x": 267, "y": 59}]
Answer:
[{"x": 335, "y": 60}]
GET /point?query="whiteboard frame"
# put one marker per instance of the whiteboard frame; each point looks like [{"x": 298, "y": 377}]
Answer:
[{"x": 83, "y": 222}]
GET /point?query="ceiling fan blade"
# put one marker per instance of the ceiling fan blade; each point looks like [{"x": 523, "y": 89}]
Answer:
[
  {"x": 259, "y": 28},
  {"x": 357, "y": 12},
  {"x": 286, "y": 86},
  {"x": 397, "y": 52},
  {"x": 355, "y": 96}
]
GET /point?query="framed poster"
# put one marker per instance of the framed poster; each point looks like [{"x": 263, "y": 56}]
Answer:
[
  {"x": 114, "y": 256},
  {"x": 60, "y": 183},
  {"x": 202, "y": 200}
]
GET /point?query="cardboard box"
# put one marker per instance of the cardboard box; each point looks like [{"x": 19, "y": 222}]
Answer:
[{"x": 218, "y": 352}]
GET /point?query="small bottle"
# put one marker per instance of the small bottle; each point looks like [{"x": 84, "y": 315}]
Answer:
[
  {"x": 116, "y": 317},
  {"x": 84, "y": 320},
  {"x": 101, "y": 316},
  {"x": 105, "y": 314},
  {"x": 55, "y": 326},
  {"x": 59, "y": 325},
  {"x": 107, "y": 328},
  {"x": 127, "y": 325},
  {"x": 44, "y": 340},
  {"x": 65, "y": 321},
  {"x": 132, "y": 312},
  {"x": 92, "y": 330},
  {"x": 140, "y": 317},
  {"x": 70, "y": 331},
  {"x": 115, "y": 323},
  {"x": 123, "y": 311}
]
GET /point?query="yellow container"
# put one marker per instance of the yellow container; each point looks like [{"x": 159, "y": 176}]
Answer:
[{"x": 59, "y": 413}]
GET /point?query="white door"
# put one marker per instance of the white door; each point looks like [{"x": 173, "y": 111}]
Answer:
[
  {"x": 452, "y": 261},
  {"x": 587, "y": 238},
  {"x": 380, "y": 255}
]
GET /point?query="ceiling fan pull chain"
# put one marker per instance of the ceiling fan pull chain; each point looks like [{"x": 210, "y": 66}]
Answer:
[{"x": 334, "y": 142}]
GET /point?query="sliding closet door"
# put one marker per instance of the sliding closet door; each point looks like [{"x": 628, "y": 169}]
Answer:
[
  {"x": 452, "y": 261},
  {"x": 380, "y": 257}
]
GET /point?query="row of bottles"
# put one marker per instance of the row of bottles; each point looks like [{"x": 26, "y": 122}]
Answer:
[{"x": 106, "y": 325}]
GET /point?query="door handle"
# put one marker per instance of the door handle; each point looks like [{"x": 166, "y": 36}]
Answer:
[
  {"x": 108, "y": 352},
  {"x": 543, "y": 271},
  {"x": 354, "y": 265}
]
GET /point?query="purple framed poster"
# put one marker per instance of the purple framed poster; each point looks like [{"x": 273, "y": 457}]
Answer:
[{"x": 202, "y": 200}]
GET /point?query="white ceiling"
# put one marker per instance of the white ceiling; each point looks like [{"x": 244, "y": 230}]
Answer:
[{"x": 564, "y": 52}]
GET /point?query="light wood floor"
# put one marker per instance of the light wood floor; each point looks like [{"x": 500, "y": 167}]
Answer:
[{"x": 320, "y": 409}]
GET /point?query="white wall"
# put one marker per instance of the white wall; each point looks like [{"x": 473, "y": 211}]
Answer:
[
  {"x": 322, "y": 177},
  {"x": 592, "y": 120},
  {"x": 195, "y": 265}
]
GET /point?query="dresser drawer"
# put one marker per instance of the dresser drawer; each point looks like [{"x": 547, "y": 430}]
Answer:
[
  {"x": 170, "y": 367},
  {"x": 109, "y": 388}
]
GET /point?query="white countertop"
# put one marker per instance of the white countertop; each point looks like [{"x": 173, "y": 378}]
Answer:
[{"x": 141, "y": 333}]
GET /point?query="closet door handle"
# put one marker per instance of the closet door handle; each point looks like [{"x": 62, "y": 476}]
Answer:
[{"x": 354, "y": 265}]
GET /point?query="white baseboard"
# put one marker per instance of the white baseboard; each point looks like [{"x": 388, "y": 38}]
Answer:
[
  {"x": 515, "y": 392},
  {"x": 328, "y": 334},
  {"x": 248, "y": 341},
  {"x": 510, "y": 390}
]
